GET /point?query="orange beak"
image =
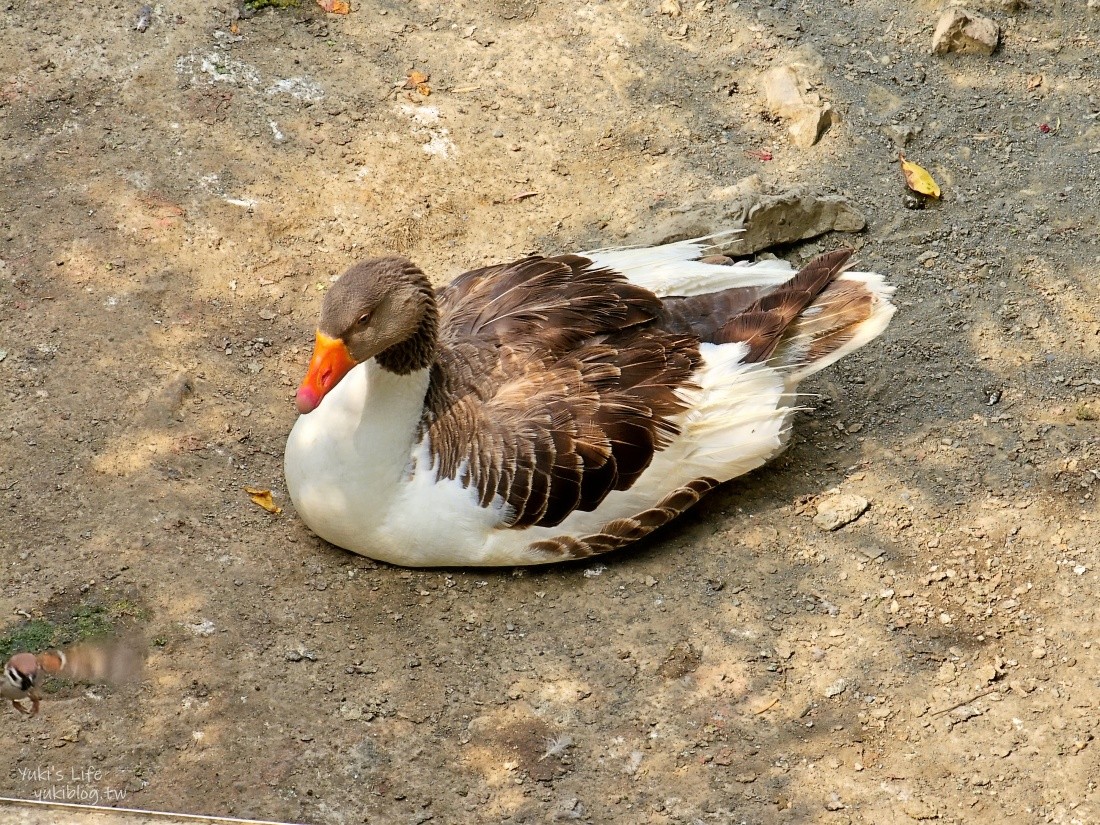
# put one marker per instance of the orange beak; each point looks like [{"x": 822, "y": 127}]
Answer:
[{"x": 331, "y": 361}]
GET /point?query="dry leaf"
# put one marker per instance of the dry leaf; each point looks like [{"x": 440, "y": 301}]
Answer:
[
  {"x": 335, "y": 6},
  {"x": 264, "y": 499},
  {"x": 1034, "y": 82},
  {"x": 918, "y": 179},
  {"x": 671, "y": 7},
  {"x": 419, "y": 81},
  {"x": 234, "y": 28}
]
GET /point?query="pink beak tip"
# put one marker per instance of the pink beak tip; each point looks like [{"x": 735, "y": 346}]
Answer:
[{"x": 306, "y": 400}]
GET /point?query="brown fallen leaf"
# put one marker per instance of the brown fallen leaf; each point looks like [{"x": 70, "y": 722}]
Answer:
[
  {"x": 419, "y": 81},
  {"x": 264, "y": 499},
  {"x": 919, "y": 179},
  {"x": 234, "y": 28},
  {"x": 1034, "y": 82},
  {"x": 335, "y": 6}
]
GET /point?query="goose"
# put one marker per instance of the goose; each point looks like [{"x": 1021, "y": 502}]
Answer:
[{"x": 558, "y": 407}]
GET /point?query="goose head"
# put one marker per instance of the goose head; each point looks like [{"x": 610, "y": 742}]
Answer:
[{"x": 381, "y": 308}]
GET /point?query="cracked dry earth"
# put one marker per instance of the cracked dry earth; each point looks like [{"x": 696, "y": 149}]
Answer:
[{"x": 174, "y": 203}]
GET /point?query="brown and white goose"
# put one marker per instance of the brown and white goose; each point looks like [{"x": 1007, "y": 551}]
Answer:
[{"x": 555, "y": 408}]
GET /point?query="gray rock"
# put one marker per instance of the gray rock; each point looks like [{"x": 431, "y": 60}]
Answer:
[
  {"x": 789, "y": 97},
  {"x": 965, "y": 32},
  {"x": 834, "y": 511},
  {"x": 786, "y": 217},
  {"x": 796, "y": 215},
  {"x": 836, "y": 688}
]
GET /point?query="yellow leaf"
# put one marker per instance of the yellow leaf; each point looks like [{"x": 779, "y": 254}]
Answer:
[
  {"x": 918, "y": 179},
  {"x": 415, "y": 78},
  {"x": 334, "y": 6},
  {"x": 263, "y": 498}
]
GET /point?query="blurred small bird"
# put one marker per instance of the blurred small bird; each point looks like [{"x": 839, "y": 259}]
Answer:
[{"x": 111, "y": 662}]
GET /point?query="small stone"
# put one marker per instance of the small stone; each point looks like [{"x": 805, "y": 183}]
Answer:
[
  {"x": 570, "y": 809},
  {"x": 965, "y": 32},
  {"x": 1001, "y": 751},
  {"x": 810, "y": 124},
  {"x": 964, "y": 712},
  {"x": 809, "y": 117},
  {"x": 745, "y": 778},
  {"x": 833, "y": 803},
  {"x": 204, "y": 628},
  {"x": 351, "y": 714},
  {"x": 268, "y": 315},
  {"x": 836, "y": 688},
  {"x": 834, "y": 511},
  {"x": 987, "y": 673}
]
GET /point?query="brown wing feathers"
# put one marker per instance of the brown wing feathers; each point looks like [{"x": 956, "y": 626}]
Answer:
[
  {"x": 556, "y": 382},
  {"x": 552, "y": 387},
  {"x": 763, "y": 324},
  {"x": 620, "y": 532}
]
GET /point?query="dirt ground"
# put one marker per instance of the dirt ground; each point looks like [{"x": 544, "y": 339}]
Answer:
[{"x": 175, "y": 201}]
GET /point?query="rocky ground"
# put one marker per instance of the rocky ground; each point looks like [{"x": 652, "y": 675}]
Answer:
[{"x": 176, "y": 200}]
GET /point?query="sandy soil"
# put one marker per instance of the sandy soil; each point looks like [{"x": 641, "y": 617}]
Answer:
[{"x": 174, "y": 203}]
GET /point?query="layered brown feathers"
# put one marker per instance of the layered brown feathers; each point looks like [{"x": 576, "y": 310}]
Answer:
[
  {"x": 555, "y": 382},
  {"x": 762, "y": 324},
  {"x": 552, "y": 385}
]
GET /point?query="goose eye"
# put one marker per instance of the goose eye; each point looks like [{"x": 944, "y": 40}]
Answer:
[{"x": 364, "y": 319}]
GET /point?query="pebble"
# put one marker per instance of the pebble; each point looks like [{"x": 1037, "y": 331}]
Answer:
[
  {"x": 987, "y": 673},
  {"x": 836, "y": 688},
  {"x": 834, "y": 511},
  {"x": 204, "y": 628},
  {"x": 964, "y": 712}
]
